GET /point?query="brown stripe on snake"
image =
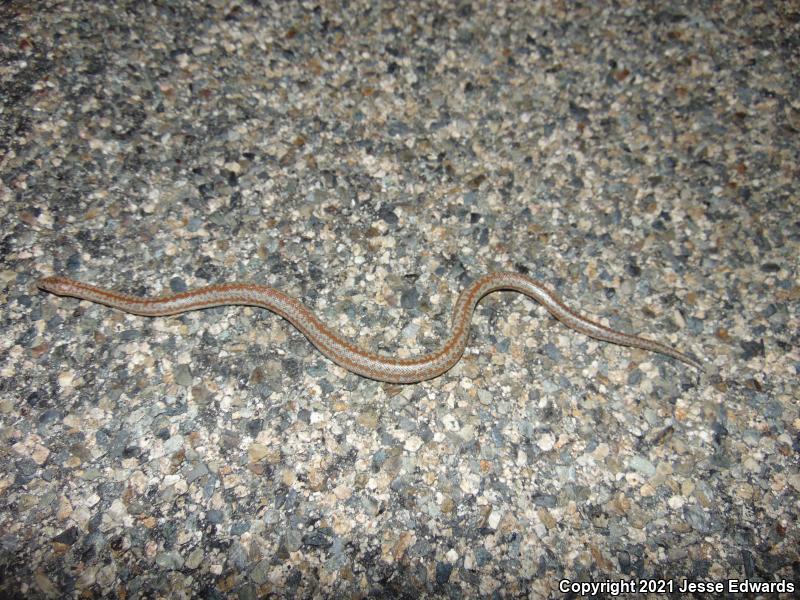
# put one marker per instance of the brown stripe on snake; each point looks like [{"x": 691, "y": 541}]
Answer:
[{"x": 344, "y": 352}]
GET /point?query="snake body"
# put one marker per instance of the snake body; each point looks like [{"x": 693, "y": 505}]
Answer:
[{"x": 342, "y": 351}]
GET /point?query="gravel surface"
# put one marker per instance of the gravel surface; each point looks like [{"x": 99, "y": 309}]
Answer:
[{"x": 640, "y": 158}]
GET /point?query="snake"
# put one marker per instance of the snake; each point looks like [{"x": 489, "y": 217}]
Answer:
[{"x": 345, "y": 353}]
